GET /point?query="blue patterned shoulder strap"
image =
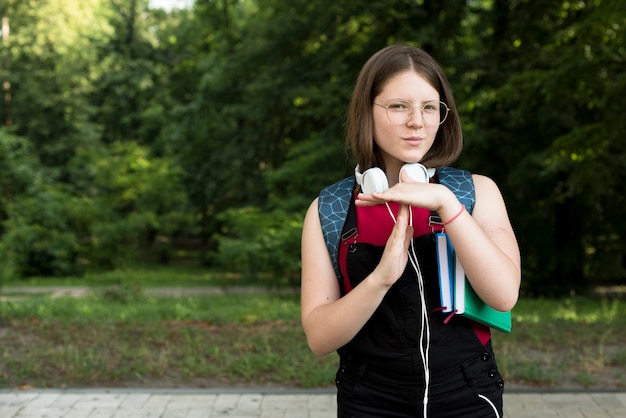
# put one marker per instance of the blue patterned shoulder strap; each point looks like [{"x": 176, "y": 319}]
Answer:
[
  {"x": 461, "y": 184},
  {"x": 334, "y": 201},
  {"x": 332, "y": 205}
]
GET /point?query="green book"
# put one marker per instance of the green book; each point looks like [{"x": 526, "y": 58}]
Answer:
[{"x": 468, "y": 304}]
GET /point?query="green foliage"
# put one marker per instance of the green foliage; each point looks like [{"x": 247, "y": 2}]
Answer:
[
  {"x": 18, "y": 168},
  {"x": 47, "y": 61},
  {"x": 544, "y": 123},
  {"x": 140, "y": 199},
  {"x": 162, "y": 124},
  {"x": 123, "y": 293},
  {"x": 42, "y": 235},
  {"x": 259, "y": 244},
  {"x": 128, "y": 201},
  {"x": 309, "y": 164}
]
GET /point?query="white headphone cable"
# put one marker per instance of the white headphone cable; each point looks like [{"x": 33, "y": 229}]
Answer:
[
  {"x": 425, "y": 328},
  {"x": 486, "y": 399}
]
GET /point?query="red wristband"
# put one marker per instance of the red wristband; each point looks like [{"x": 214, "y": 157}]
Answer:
[{"x": 455, "y": 216}]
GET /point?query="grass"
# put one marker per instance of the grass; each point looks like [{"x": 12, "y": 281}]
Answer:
[
  {"x": 123, "y": 337},
  {"x": 147, "y": 275},
  {"x": 569, "y": 342},
  {"x": 224, "y": 340}
]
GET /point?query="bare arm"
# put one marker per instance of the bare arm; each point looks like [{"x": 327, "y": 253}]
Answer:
[
  {"x": 484, "y": 241},
  {"x": 331, "y": 321},
  {"x": 487, "y": 247}
]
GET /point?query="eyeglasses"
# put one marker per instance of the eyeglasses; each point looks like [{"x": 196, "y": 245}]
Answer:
[{"x": 400, "y": 112}]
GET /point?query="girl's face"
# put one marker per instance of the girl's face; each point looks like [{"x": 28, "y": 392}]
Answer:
[{"x": 410, "y": 141}]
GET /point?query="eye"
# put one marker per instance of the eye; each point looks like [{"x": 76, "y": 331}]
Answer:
[
  {"x": 431, "y": 107},
  {"x": 399, "y": 106}
]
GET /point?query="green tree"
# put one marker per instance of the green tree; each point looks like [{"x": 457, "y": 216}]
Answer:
[
  {"x": 543, "y": 121},
  {"x": 138, "y": 204},
  {"x": 48, "y": 61},
  {"x": 91, "y": 199},
  {"x": 130, "y": 82},
  {"x": 232, "y": 113},
  {"x": 18, "y": 169}
]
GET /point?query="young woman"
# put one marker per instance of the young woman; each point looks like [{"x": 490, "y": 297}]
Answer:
[{"x": 397, "y": 356}]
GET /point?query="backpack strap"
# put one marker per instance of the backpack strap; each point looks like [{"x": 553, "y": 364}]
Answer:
[
  {"x": 333, "y": 204},
  {"x": 461, "y": 183},
  {"x": 334, "y": 201}
]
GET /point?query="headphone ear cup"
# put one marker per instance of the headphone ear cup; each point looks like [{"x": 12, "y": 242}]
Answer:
[
  {"x": 374, "y": 180},
  {"x": 416, "y": 171}
]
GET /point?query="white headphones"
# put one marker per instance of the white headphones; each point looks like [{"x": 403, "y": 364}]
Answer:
[{"x": 374, "y": 179}]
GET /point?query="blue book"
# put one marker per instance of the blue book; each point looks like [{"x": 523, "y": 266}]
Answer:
[{"x": 445, "y": 260}]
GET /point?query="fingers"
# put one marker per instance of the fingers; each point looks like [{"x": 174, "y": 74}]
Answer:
[
  {"x": 403, "y": 224},
  {"x": 403, "y": 216},
  {"x": 403, "y": 192},
  {"x": 418, "y": 195},
  {"x": 398, "y": 193},
  {"x": 367, "y": 200},
  {"x": 402, "y": 232},
  {"x": 395, "y": 256},
  {"x": 405, "y": 178}
]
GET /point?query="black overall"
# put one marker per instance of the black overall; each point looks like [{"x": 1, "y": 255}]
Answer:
[{"x": 381, "y": 371}]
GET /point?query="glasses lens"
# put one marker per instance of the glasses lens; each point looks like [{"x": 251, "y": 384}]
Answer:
[
  {"x": 399, "y": 112},
  {"x": 434, "y": 113}
]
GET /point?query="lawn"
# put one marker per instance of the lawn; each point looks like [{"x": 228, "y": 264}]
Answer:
[{"x": 123, "y": 336}]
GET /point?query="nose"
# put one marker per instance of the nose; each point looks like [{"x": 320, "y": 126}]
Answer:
[{"x": 416, "y": 118}]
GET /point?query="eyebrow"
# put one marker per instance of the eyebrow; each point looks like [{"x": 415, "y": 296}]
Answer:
[{"x": 409, "y": 101}]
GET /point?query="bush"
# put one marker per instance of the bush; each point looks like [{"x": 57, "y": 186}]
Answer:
[
  {"x": 255, "y": 243},
  {"x": 120, "y": 207},
  {"x": 41, "y": 236}
]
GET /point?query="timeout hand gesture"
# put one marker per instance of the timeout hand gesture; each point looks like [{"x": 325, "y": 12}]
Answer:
[
  {"x": 408, "y": 192},
  {"x": 396, "y": 253}
]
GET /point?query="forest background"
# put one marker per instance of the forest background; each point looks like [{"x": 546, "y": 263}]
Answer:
[{"x": 131, "y": 134}]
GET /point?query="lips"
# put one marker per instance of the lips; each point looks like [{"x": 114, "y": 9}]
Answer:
[{"x": 413, "y": 139}]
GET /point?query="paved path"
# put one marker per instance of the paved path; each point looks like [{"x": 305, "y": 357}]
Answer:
[
  {"x": 8, "y": 293},
  {"x": 175, "y": 403}
]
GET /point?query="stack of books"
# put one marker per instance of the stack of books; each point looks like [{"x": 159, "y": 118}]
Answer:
[{"x": 457, "y": 295}]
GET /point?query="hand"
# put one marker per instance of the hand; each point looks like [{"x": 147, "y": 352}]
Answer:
[
  {"x": 409, "y": 192},
  {"x": 395, "y": 256}
]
